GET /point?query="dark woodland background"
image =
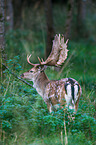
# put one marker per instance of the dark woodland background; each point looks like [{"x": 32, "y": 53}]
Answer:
[{"x": 29, "y": 27}]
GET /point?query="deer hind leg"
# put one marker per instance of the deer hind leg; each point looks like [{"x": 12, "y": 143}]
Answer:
[
  {"x": 49, "y": 106},
  {"x": 76, "y": 105}
]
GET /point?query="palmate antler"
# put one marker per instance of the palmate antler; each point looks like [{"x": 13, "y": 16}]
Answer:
[{"x": 58, "y": 53}]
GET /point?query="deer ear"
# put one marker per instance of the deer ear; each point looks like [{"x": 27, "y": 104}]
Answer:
[
  {"x": 40, "y": 68},
  {"x": 43, "y": 68}
]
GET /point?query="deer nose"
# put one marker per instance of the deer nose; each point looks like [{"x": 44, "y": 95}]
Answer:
[{"x": 22, "y": 75}]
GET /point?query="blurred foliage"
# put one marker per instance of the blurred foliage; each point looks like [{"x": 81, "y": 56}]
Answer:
[{"x": 24, "y": 118}]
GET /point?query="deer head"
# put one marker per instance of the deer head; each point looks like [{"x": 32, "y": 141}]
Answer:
[
  {"x": 33, "y": 72},
  {"x": 56, "y": 58}
]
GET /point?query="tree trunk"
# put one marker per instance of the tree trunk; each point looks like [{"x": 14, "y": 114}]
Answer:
[
  {"x": 17, "y": 8},
  {"x": 9, "y": 14},
  {"x": 81, "y": 15},
  {"x": 2, "y": 30},
  {"x": 69, "y": 18},
  {"x": 50, "y": 29}
]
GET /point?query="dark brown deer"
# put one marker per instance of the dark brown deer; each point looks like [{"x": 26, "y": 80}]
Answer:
[{"x": 66, "y": 91}]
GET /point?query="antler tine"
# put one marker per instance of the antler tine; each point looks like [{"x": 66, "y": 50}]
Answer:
[
  {"x": 28, "y": 57},
  {"x": 67, "y": 41},
  {"x": 41, "y": 62},
  {"x": 42, "y": 59}
]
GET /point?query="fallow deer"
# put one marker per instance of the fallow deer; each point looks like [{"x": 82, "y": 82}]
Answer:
[{"x": 66, "y": 91}]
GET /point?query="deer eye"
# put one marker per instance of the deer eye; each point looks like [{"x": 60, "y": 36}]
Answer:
[{"x": 31, "y": 71}]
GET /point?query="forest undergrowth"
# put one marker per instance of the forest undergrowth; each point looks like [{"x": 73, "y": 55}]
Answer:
[{"x": 24, "y": 118}]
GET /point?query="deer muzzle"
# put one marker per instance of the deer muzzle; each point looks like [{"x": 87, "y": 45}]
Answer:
[{"x": 22, "y": 75}]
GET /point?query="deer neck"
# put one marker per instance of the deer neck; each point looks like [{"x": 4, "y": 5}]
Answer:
[{"x": 40, "y": 82}]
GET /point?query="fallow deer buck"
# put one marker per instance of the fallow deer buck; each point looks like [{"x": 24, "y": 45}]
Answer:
[{"x": 66, "y": 91}]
